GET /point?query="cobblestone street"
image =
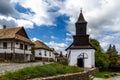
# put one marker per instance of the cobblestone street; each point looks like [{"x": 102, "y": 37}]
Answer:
[{"x": 15, "y": 66}]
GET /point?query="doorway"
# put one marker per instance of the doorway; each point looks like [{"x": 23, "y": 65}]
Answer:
[
  {"x": 80, "y": 62},
  {"x": 81, "y": 59}
]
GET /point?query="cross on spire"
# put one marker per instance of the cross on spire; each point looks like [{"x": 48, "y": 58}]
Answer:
[
  {"x": 80, "y": 10},
  {"x": 81, "y": 17}
]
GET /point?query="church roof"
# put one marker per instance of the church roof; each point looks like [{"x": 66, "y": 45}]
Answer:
[
  {"x": 81, "y": 18},
  {"x": 80, "y": 47},
  {"x": 41, "y": 45}
]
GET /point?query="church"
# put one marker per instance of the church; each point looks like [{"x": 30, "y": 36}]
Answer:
[{"x": 80, "y": 52}]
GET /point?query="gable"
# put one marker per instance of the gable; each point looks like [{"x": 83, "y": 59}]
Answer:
[{"x": 22, "y": 32}]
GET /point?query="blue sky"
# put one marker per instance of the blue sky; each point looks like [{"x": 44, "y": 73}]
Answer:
[{"x": 52, "y": 21}]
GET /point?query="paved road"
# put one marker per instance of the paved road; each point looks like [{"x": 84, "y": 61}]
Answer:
[
  {"x": 113, "y": 78},
  {"x": 15, "y": 66}
]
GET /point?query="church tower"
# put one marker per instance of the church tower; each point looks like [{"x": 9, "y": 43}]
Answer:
[{"x": 80, "y": 52}]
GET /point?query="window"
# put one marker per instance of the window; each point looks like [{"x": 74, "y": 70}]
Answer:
[
  {"x": 26, "y": 47},
  {"x": 39, "y": 53},
  {"x": 4, "y": 45},
  {"x": 45, "y": 53},
  {"x": 21, "y": 46},
  {"x": 81, "y": 29},
  {"x": 16, "y": 43},
  {"x": 50, "y": 53}
]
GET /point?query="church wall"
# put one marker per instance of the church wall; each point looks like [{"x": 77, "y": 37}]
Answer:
[{"x": 76, "y": 52}]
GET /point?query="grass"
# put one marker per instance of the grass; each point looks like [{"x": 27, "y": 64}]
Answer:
[
  {"x": 39, "y": 71},
  {"x": 104, "y": 74}
]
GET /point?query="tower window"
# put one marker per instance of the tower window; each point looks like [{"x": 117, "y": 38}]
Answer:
[{"x": 81, "y": 29}]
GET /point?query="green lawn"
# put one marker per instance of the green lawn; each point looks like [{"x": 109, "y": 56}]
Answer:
[
  {"x": 104, "y": 74},
  {"x": 39, "y": 71}
]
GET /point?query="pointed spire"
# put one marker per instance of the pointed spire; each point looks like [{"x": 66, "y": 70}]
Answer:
[{"x": 81, "y": 18}]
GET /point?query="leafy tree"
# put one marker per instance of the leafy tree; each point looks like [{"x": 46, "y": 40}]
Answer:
[
  {"x": 114, "y": 50},
  {"x": 111, "y": 50},
  {"x": 113, "y": 56},
  {"x": 104, "y": 60},
  {"x": 101, "y": 59}
]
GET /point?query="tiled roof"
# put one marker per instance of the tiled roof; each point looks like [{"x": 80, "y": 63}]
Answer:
[
  {"x": 11, "y": 33},
  {"x": 41, "y": 45},
  {"x": 54, "y": 52}
]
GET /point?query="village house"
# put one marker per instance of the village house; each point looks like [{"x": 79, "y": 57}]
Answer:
[
  {"x": 43, "y": 52},
  {"x": 15, "y": 44},
  {"x": 56, "y": 55}
]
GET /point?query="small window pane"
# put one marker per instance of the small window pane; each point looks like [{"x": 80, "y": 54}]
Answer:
[{"x": 4, "y": 45}]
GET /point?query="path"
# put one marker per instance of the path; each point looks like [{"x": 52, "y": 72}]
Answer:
[
  {"x": 113, "y": 78},
  {"x": 15, "y": 66}
]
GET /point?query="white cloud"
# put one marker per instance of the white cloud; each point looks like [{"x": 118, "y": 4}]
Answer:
[
  {"x": 111, "y": 39},
  {"x": 40, "y": 8},
  {"x": 69, "y": 38},
  {"x": 58, "y": 46},
  {"x": 25, "y": 23},
  {"x": 35, "y": 39},
  {"x": 52, "y": 37},
  {"x": 102, "y": 16}
]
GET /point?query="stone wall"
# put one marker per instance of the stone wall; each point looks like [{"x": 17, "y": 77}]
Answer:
[{"x": 74, "y": 76}]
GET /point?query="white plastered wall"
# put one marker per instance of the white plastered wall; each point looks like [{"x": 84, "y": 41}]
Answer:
[{"x": 89, "y": 62}]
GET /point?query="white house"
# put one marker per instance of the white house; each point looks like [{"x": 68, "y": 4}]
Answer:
[
  {"x": 56, "y": 55},
  {"x": 15, "y": 44},
  {"x": 80, "y": 52},
  {"x": 43, "y": 52}
]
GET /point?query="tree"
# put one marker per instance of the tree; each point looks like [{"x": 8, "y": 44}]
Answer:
[
  {"x": 101, "y": 59},
  {"x": 111, "y": 50},
  {"x": 61, "y": 55},
  {"x": 113, "y": 57},
  {"x": 114, "y": 50}
]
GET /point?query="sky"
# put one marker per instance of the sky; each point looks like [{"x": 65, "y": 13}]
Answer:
[{"x": 53, "y": 21}]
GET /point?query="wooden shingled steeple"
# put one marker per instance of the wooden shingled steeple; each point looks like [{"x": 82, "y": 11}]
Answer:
[{"x": 81, "y": 39}]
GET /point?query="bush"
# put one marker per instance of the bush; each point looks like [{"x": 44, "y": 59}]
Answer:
[
  {"x": 64, "y": 62},
  {"x": 39, "y": 71}
]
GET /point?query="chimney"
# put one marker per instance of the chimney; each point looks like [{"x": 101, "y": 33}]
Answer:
[{"x": 4, "y": 26}]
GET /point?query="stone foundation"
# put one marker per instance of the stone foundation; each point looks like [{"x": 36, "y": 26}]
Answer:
[
  {"x": 73, "y": 76},
  {"x": 14, "y": 57},
  {"x": 44, "y": 59}
]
